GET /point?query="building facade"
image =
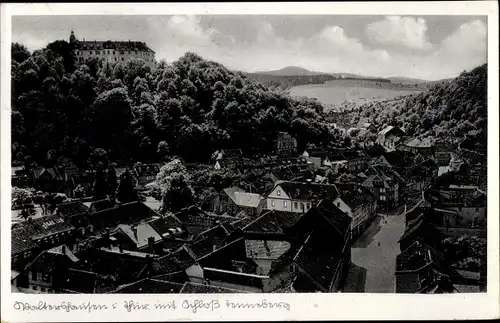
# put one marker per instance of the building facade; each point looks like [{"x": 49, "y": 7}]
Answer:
[{"x": 111, "y": 51}]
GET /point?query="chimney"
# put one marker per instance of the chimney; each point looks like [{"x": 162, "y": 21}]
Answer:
[
  {"x": 134, "y": 230},
  {"x": 151, "y": 244}
]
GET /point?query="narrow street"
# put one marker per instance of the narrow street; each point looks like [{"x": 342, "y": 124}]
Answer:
[{"x": 373, "y": 266}]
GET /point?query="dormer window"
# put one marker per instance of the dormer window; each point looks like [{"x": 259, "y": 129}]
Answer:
[{"x": 278, "y": 192}]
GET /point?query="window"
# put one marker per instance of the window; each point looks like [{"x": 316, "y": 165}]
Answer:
[
  {"x": 34, "y": 275},
  {"x": 90, "y": 52},
  {"x": 123, "y": 59},
  {"x": 109, "y": 52},
  {"x": 382, "y": 197},
  {"x": 46, "y": 278},
  {"x": 302, "y": 205},
  {"x": 115, "y": 59},
  {"x": 272, "y": 203},
  {"x": 122, "y": 52},
  {"x": 34, "y": 287},
  {"x": 382, "y": 190},
  {"x": 278, "y": 192},
  {"x": 295, "y": 205},
  {"x": 114, "y": 52},
  {"x": 284, "y": 203},
  {"x": 98, "y": 52},
  {"x": 338, "y": 204}
]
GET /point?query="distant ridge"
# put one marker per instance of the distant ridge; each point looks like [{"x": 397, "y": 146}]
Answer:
[{"x": 290, "y": 71}]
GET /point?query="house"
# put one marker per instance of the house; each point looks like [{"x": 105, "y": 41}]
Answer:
[
  {"x": 418, "y": 268},
  {"x": 458, "y": 211},
  {"x": 234, "y": 200},
  {"x": 285, "y": 144},
  {"x": 359, "y": 204},
  {"x": 385, "y": 189},
  {"x": 115, "y": 267},
  {"x": 389, "y": 137},
  {"x": 424, "y": 147},
  {"x": 419, "y": 229},
  {"x": 33, "y": 235},
  {"x": 47, "y": 272},
  {"x": 321, "y": 253},
  {"x": 146, "y": 173},
  {"x": 47, "y": 179},
  {"x": 272, "y": 222},
  {"x": 228, "y": 163},
  {"x": 315, "y": 155},
  {"x": 20, "y": 177},
  {"x": 422, "y": 175},
  {"x": 337, "y": 163},
  {"x": 356, "y": 161},
  {"x": 298, "y": 197},
  {"x": 228, "y": 153}
]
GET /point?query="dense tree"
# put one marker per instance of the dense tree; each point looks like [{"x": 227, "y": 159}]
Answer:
[
  {"x": 100, "y": 188},
  {"x": 177, "y": 194},
  {"x": 126, "y": 188}
]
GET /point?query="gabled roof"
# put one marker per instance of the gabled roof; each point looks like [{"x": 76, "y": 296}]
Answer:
[
  {"x": 355, "y": 195},
  {"x": 242, "y": 198},
  {"x": 40, "y": 171},
  {"x": 26, "y": 232},
  {"x": 139, "y": 234}
]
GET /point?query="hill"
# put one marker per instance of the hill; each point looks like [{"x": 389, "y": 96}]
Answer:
[
  {"x": 289, "y": 71},
  {"x": 450, "y": 108},
  {"x": 189, "y": 108}
]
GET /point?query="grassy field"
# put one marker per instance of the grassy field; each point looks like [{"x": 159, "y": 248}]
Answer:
[{"x": 335, "y": 93}]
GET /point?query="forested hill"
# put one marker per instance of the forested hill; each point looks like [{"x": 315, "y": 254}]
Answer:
[
  {"x": 188, "y": 108},
  {"x": 450, "y": 108}
]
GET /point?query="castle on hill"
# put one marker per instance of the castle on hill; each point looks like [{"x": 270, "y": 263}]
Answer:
[{"x": 111, "y": 51}]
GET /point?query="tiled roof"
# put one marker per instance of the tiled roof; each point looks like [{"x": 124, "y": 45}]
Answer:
[
  {"x": 247, "y": 199},
  {"x": 140, "y": 233},
  {"x": 270, "y": 249},
  {"x": 126, "y": 213},
  {"x": 149, "y": 286},
  {"x": 71, "y": 208},
  {"x": 194, "y": 288},
  {"x": 26, "y": 232},
  {"x": 354, "y": 195},
  {"x": 308, "y": 191},
  {"x": 272, "y": 221},
  {"x": 318, "y": 262},
  {"x": 63, "y": 250},
  {"x": 163, "y": 224}
]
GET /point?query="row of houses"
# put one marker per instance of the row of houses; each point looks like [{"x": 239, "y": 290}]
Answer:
[{"x": 129, "y": 247}]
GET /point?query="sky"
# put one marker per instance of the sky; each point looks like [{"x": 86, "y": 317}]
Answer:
[{"x": 425, "y": 47}]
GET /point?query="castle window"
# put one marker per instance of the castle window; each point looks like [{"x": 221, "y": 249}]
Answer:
[
  {"x": 123, "y": 59},
  {"x": 295, "y": 205},
  {"x": 114, "y": 52},
  {"x": 272, "y": 203},
  {"x": 115, "y": 59}
]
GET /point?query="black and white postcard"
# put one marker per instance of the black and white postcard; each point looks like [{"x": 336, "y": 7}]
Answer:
[{"x": 249, "y": 161}]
